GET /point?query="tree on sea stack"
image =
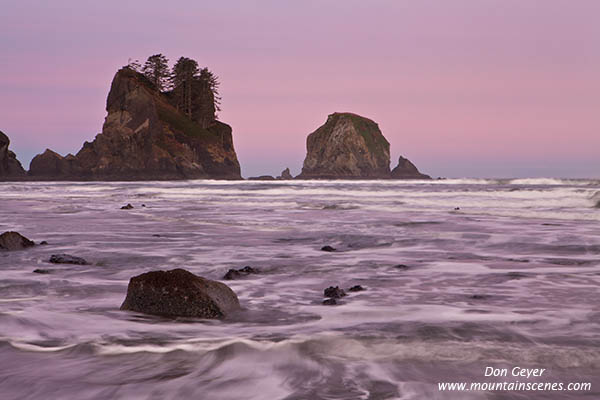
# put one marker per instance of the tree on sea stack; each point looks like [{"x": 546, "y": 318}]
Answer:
[
  {"x": 185, "y": 72},
  {"x": 207, "y": 93},
  {"x": 156, "y": 69}
]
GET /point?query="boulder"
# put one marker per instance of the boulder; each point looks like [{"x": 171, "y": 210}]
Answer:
[
  {"x": 239, "y": 273},
  {"x": 261, "y": 178},
  {"x": 67, "y": 259},
  {"x": 146, "y": 137},
  {"x": 14, "y": 241},
  {"x": 10, "y": 167},
  {"x": 347, "y": 146},
  {"x": 334, "y": 292},
  {"x": 179, "y": 293},
  {"x": 407, "y": 170},
  {"x": 328, "y": 249},
  {"x": 128, "y": 206}
]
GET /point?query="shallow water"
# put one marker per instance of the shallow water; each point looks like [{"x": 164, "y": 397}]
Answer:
[{"x": 511, "y": 278}]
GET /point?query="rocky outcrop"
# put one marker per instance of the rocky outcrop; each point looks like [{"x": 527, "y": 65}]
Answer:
[
  {"x": 145, "y": 137},
  {"x": 10, "y": 167},
  {"x": 179, "y": 293},
  {"x": 51, "y": 165},
  {"x": 407, "y": 170},
  {"x": 261, "y": 178},
  {"x": 285, "y": 175},
  {"x": 347, "y": 146},
  {"x": 14, "y": 241}
]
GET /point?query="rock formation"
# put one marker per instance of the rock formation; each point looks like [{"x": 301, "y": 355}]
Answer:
[
  {"x": 179, "y": 293},
  {"x": 407, "y": 170},
  {"x": 145, "y": 137},
  {"x": 261, "y": 178},
  {"x": 10, "y": 167},
  {"x": 347, "y": 146},
  {"x": 285, "y": 175}
]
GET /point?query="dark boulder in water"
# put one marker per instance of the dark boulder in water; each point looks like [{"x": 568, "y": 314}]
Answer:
[
  {"x": 238, "y": 273},
  {"x": 14, "y": 241},
  {"x": 127, "y": 207},
  {"x": 179, "y": 293},
  {"x": 67, "y": 259},
  {"x": 41, "y": 271},
  {"x": 328, "y": 248},
  {"x": 329, "y": 302},
  {"x": 334, "y": 292},
  {"x": 356, "y": 288}
]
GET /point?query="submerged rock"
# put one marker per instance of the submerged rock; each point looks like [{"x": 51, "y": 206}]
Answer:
[
  {"x": 127, "y": 207},
  {"x": 347, "y": 146},
  {"x": 334, "y": 292},
  {"x": 41, "y": 271},
  {"x": 67, "y": 259},
  {"x": 238, "y": 273},
  {"x": 407, "y": 170},
  {"x": 356, "y": 288},
  {"x": 328, "y": 248},
  {"x": 14, "y": 241},
  {"x": 329, "y": 302},
  {"x": 179, "y": 293},
  {"x": 10, "y": 167}
]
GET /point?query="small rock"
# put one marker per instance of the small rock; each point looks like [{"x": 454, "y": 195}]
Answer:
[
  {"x": 238, "y": 273},
  {"x": 14, "y": 241},
  {"x": 179, "y": 293},
  {"x": 479, "y": 296},
  {"x": 43, "y": 243},
  {"x": 401, "y": 266},
  {"x": 41, "y": 271},
  {"x": 232, "y": 274},
  {"x": 329, "y": 302},
  {"x": 334, "y": 292},
  {"x": 143, "y": 205},
  {"x": 456, "y": 208},
  {"x": 356, "y": 288},
  {"x": 66, "y": 259},
  {"x": 327, "y": 248},
  {"x": 127, "y": 207},
  {"x": 156, "y": 235}
]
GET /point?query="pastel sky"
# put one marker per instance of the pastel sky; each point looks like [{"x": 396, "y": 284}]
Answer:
[{"x": 478, "y": 88}]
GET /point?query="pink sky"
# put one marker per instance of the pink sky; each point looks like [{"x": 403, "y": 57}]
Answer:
[{"x": 462, "y": 88}]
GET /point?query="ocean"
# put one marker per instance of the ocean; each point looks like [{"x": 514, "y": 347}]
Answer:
[{"x": 460, "y": 275}]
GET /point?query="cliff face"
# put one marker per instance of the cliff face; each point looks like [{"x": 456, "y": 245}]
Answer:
[
  {"x": 144, "y": 137},
  {"x": 407, "y": 170},
  {"x": 10, "y": 167},
  {"x": 347, "y": 146}
]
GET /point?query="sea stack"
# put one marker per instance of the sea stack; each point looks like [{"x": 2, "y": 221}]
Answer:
[
  {"x": 407, "y": 170},
  {"x": 347, "y": 146},
  {"x": 10, "y": 167},
  {"x": 146, "y": 137}
]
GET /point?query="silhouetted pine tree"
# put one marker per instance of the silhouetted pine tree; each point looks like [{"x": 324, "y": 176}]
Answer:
[
  {"x": 156, "y": 69},
  {"x": 185, "y": 72}
]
